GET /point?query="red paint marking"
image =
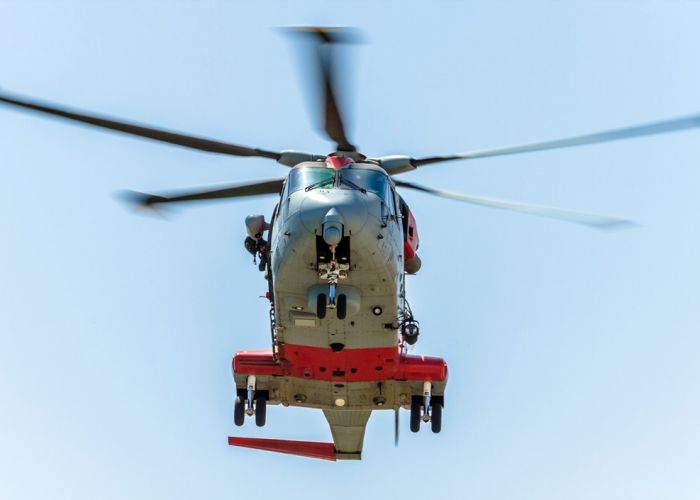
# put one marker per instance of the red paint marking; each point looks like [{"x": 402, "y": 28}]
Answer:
[
  {"x": 259, "y": 362},
  {"x": 349, "y": 365},
  {"x": 338, "y": 162},
  {"x": 410, "y": 244},
  {"x": 425, "y": 368},
  {"x": 325, "y": 451}
]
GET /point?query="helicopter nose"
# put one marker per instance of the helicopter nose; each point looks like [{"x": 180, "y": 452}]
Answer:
[{"x": 334, "y": 213}]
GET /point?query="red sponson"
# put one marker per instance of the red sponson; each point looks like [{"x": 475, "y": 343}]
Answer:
[
  {"x": 258, "y": 362},
  {"x": 423, "y": 368},
  {"x": 310, "y": 449},
  {"x": 351, "y": 365}
]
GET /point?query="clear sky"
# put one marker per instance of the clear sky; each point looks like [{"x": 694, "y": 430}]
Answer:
[{"x": 573, "y": 353}]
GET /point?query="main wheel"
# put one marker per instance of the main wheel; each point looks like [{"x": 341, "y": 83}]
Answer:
[
  {"x": 260, "y": 410},
  {"x": 238, "y": 411},
  {"x": 415, "y": 413},
  {"x": 321, "y": 305},
  {"x": 342, "y": 306},
  {"x": 436, "y": 417}
]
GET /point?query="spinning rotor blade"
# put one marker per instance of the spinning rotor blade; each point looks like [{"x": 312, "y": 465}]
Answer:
[
  {"x": 323, "y": 41},
  {"x": 149, "y": 200},
  {"x": 592, "y": 220},
  {"x": 663, "y": 127},
  {"x": 183, "y": 140}
]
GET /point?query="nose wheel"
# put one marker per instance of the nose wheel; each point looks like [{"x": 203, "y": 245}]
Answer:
[
  {"x": 331, "y": 301},
  {"x": 341, "y": 308},
  {"x": 332, "y": 272},
  {"x": 321, "y": 305}
]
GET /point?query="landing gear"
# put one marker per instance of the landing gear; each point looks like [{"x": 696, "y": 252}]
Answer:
[
  {"x": 426, "y": 408},
  {"x": 261, "y": 409},
  {"x": 427, "y": 392},
  {"x": 239, "y": 411},
  {"x": 332, "y": 272},
  {"x": 332, "y": 285},
  {"x": 250, "y": 402},
  {"x": 250, "y": 389},
  {"x": 339, "y": 303},
  {"x": 342, "y": 306},
  {"x": 415, "y": 413},
  {"x": 321, "y": 305},
  {"x": 436, "y": 417}
]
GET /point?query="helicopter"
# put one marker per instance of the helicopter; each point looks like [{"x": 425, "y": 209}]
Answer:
[{"x": 335, "y": 254}]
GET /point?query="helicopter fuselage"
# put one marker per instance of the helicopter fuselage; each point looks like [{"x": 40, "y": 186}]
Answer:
[
  {"x": 336, "y": 272},
  {"x": 370, "y": 251}
]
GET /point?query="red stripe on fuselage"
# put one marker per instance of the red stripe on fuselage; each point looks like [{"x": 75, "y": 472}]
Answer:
[{"x": 350, "y": 365}]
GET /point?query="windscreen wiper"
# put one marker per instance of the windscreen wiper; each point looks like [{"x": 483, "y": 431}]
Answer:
[
  {"x": 353, "y": 185},
  {"x": 319, "y": 184}
]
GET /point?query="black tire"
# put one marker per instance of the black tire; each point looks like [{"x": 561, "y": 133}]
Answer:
[
  {"x": 238, "y": 411},
  {"x": 321, "y": 305},
  {"x": 342, "y": 306},
  {"x": 436, "y": 417},
  {"x": 415, "y": 413},
  {"x": 260, "y": 410}
]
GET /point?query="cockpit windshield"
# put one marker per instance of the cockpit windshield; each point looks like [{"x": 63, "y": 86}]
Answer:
[
  {"x": 302, "y": 178},
  {"x": 370, "y": 180}
]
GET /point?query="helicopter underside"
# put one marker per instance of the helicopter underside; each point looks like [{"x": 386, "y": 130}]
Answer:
[
  {"x": 371, "y": 251},
  {"x": 345, "y": 362},
  {"x": 380, "y": 378}
]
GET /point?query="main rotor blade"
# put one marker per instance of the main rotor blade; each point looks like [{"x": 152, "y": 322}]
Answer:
[
  {"x": 146, "y": 200},
  {"x": 662, "y": 127},
  {"x": 178, "y": 139},
  {"x": 592, "y": 220},
  {"x": 323, "y": 40}
]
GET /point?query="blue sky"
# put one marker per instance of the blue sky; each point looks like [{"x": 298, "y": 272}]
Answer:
[{"x": 573, "y": 353}]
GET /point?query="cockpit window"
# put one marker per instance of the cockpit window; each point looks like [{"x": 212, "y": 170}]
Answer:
[
  {"x": 371, "y": 180},
  {"x": 301, "y": 178}
]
